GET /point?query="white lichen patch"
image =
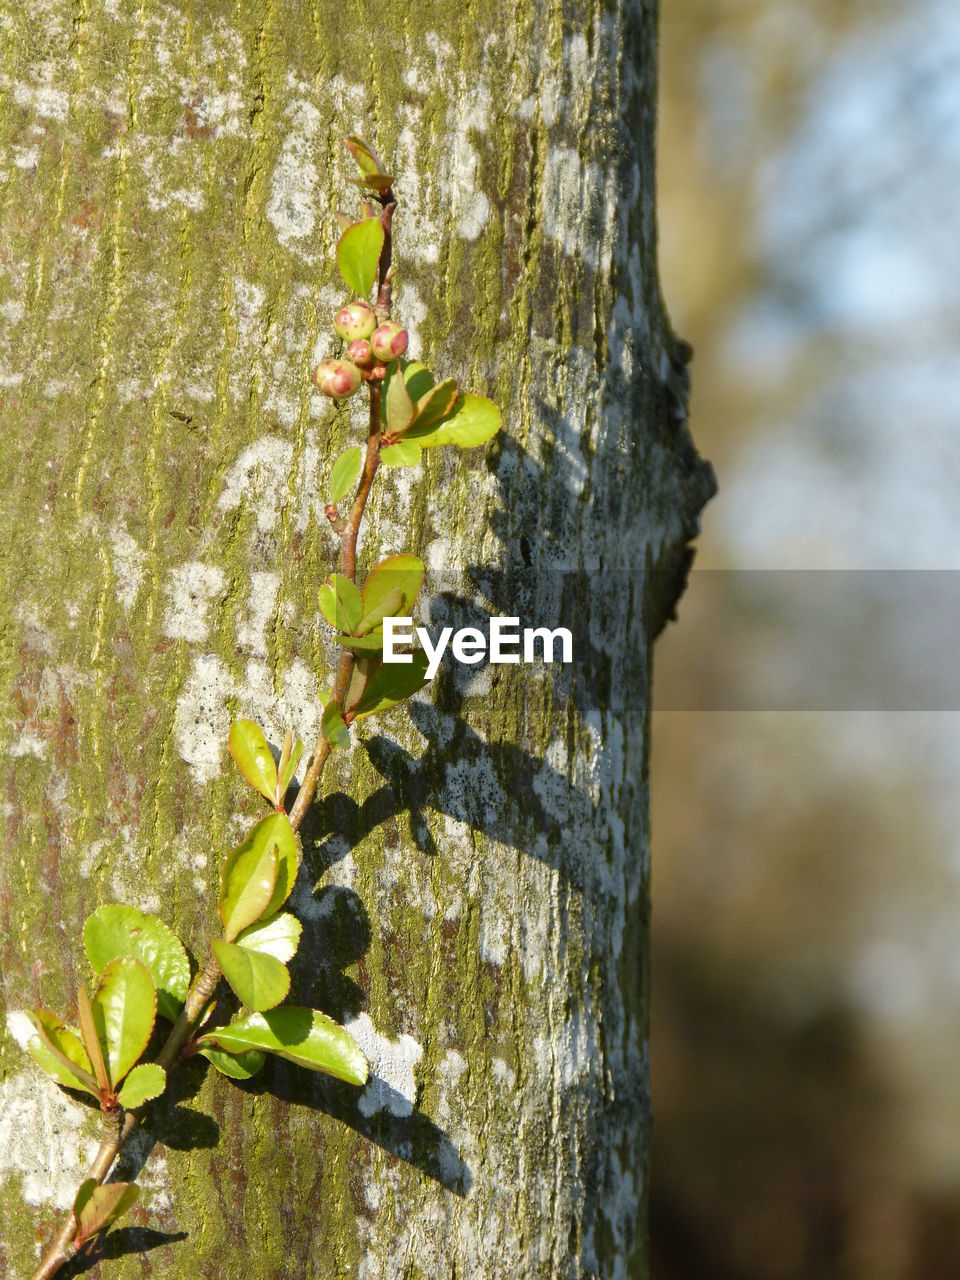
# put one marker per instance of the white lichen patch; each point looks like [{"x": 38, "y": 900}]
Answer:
[
  {"x": 259, "y": 479},
  {"x": 261, "y": 607},
  {"x": 128, "y": 561},
  {"x": 293, "y": 207},
  {"x": 190, "y": 589},
  {"x": 46, "y": 1137},
  {"x": 392, "y": 1086},
  {"x": 45, "y": 100}
]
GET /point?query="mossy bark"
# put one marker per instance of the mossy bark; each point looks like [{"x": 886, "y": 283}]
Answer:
[{"x": 475, "y": 888}]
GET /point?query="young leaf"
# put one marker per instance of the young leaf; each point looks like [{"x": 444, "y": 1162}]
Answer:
[
  {"x": 289, "y": 759},
  {"x": 93, "y": 1036},
  {"x": 418, "y": 378},
  {"x": 334, "y": 729},
  {"x": 381, "y": 182},
  {"x": 238, "y": 1066},
  {"x": 436, "y": 404},
  {"x": 251, "y": 752},
  {"x": 249, "y": 877},
  {"x": 403, "y": 573},
  {"x": 304, "y": 1036},
  {"x": 391, "y": 683},
  {"x": 119, "y": 930},
  {"x": 345, "y": 471},
  {"x": 124, "y": 1011},
  {"x": 399, "y": 406},
  {"x": 386, "y": 607},
  {"x": 259, "y": 980},
  {"x": 405, "y": 453},
  {"x": 365, "y": 156},
  {"x": 60, "y": 1053},
  {"x": 358, "y": 254},
  {"x": 372, "y": 643},
  {"x": 474, "y": 419},
  {"x": 144, "y": 1082},
  {"x": 98, "y": 1207},
  {"x": 340, "y": 602},
  {"x": 362, "y": 670},
  {"x": 277, "y": 829},
  {"x": 278, "y": 937}
]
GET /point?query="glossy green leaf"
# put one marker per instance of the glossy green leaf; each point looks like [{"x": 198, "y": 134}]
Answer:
[
  {"x": 259, "y": 980},
  {"x": 372, "y": 643},
  {"x": 289, "y": 759},
  {"x": 340, "y": 603},
  {"x": 474, "y": 419},
  {"x": 399, "y": 406},
  {"x": 98, "y": 1207},
  {"x": 403, "y": 573},
  {"x": 60, "y": 1052},
  {"x": 365, "y": 156},
  {"x": 359, "y": 676},
  {"x": 436, "y": 404},
  {"x": 253, "y": 757},
  {"x": 278, "y": 937},
  {"x": 418, "y": 378},
  {"x": 124, "y": 1011},
  {"x": 345, "y": 472},
  {"x": 390, "y": 683},
  {"x": 119, "y": 930},
  {"x": 304, "y": 1036},
  {"x": 387, "y": 607},
  {"x": 381, "y": 182},
  {"x": 358, "y": 254},
  {"x": 146, "y": 1081},
  {"x": 405, "y": 453},
  {"x": 334, "y": 728},
  {"x": 277, "y": 828},
  {"x": 249, "y": 877},
  {"x": 238, "y": 1066}
]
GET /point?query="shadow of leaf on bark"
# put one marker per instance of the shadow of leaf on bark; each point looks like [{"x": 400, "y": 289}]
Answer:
[{"x": 119, "y": 1243}]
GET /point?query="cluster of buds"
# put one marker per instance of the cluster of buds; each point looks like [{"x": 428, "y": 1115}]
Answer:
[{"x": 370, "y": 347}]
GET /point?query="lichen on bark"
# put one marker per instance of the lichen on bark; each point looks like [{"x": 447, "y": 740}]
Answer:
[{"x": 475, "y": 888}]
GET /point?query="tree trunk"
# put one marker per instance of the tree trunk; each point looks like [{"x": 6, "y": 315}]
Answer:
[{"x": 475, "y": 880}]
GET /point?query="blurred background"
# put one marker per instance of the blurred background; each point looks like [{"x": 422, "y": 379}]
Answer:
[{"x": 806, "y": 742}]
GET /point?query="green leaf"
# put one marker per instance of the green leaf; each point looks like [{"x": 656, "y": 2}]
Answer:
[
  {"x": 274, "y": 831},
  {"x": 238, "y": 1066},
  {"x": 60, "y": 1052},
  {"x": 334, "y": 728},
  {"x": 251, "y": 752},
  {"x": 403, "y": 573},
  {"x": 418, "y": 378},
  {"x": 365, "y": 156},
  {"x": 304, "y": 1036},
  {"x": 390, "y": 605},
  {"x": 377, "y": 181},
  {"x": 358, "y": 254},
  {"x": 98, "y": 1207},
  {"x": 259, "y": 980},
  {"x": 390, "y": 683},
  {"x": 399, "y": 406},
  {"x": 93, "y": 1041},
  {"x": 119, "y": 930},
  {"x": 144, "y": 1082},
  {"x": 340, "y": 602},
  {"x": 474, "y": 419},
  {"x": 405, "y": 453},
  {"x": 436, "y": 404},
  {"x": 278, "y": 937},
  {"x": 289, "y": 759},
  {"x": 345, "y": 471},
  {"x": 124, "y": 1011},
  {"x": 372, "y": 643},
  {"x": 249, "y": 877}
]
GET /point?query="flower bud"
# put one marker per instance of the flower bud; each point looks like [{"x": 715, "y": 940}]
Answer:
[
  {"x": 337, "y": 378},
  {"x": 360, "y": 353},
  {"x": 388, "y": 341},
  {"x": 355, "y": 320}
]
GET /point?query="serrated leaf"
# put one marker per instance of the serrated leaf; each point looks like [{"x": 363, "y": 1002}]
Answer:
[
  {"x": 358, "y": 254},
  {"x": 345, "y": 471},
  {"x": 253, "y": 757},
  {"x": 238, "y": 1066},
  {"x": 304, "y": 1036},
  {"x": 277, "y": 832},
  {"x": 405, "y": 453},
  {"x": 340, "y": 602},
  {"x": 473, "y": 420},
  {"x": 248, "y": 881},
  {"x": 398, "y": 404},
  {"x": 289, "y": 759},
  {"x": 435, "y": 405},
  {"x": 60, "y": 1053},
  {"x": 334, "y": 728},
  {"x": 403, "y": 573},
  {"x": 365, "y": 156},
  {"x": 124, "y": 1011},
  {"x": 146, "y": 1081},
  {"x": 98, "y": 1207},
  {"x": 259, "y": 980},
  {"x": 117, "y": 929},
  {"x": 389, "y": 683},
  {"x": 387, "y": 607},
  {"x": 278, "y": 937}
]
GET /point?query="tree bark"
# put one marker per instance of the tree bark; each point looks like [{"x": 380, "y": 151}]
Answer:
[{"x": 475, "y": 880}]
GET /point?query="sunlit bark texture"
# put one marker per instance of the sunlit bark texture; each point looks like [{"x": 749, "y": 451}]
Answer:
[{"x": 474, "y": 889}]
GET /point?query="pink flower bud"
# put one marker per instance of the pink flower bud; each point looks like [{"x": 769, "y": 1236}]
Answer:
[
  {"x": 337, "y": 378},
  {"x": 355, "y": 320},
  {"x": 388, "y": 341},
  {"x": 360, "y": 352}
]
